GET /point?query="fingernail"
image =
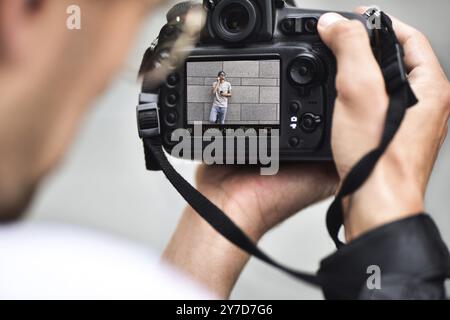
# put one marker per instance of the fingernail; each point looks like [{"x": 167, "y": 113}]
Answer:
[{"x": 329, "y": 18}]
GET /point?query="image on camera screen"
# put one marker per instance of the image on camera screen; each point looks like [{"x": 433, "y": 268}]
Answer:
[{"x": 244, "y": 92}]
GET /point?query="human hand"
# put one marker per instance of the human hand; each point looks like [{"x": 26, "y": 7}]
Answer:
[
  {"x": 255, "y": 203},
  {"x": 397, "y": 185}
]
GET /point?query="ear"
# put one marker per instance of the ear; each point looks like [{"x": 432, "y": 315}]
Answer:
[{"x": 14, "y": 20}]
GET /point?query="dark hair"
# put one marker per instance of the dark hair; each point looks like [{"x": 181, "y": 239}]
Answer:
[{"x": 221, "y": 72}]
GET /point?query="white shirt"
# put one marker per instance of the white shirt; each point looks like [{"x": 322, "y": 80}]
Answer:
[
  {"x": 54, "y": 261},
  {"x": 219, "y": 100}
]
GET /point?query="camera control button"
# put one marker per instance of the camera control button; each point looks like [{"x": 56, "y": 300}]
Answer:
[
  {"x": 294, "y": 141},
  {"x": 305, "y": 70},
  {"x": 173, "y": 79},
  {"x": 171, "y": 99},
  {"x": 287, "y": 26},
  {"x": 294, "y": 107},
  {"x": 309, "y": 122},
  {"x": 310, "y": 25},
  {"x": 305, "y": 25},
  {"x": 171, "y": 117}
]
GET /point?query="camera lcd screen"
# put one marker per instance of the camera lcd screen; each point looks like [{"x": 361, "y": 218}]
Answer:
[{"x": 238, "y": 92}]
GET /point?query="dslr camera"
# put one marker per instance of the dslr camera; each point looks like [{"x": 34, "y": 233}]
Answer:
[{"x": 258, "y": 66}]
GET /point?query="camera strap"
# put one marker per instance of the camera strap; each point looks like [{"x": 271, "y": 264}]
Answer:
[
  {"x": 401, "y": 96},
  {"x": 211, "y": 213}
]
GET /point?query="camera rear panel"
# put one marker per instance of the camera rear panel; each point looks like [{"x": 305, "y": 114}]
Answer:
[
  {"x": 299, "y": 139},
  {"x": 304, "y": 87}
]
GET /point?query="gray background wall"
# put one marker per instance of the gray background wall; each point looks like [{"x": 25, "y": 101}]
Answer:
[
  {"x": 255, "y": 90},
  {"x": 103, "y": 185}
]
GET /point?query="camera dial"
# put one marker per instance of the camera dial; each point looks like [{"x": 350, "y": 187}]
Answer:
[
  {"x": 309, "y": 122},
  {"x": 306, "y": 69}
]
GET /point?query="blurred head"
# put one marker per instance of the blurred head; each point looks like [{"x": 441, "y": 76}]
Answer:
[
  {"x": 49, "y": 75},
  {"x": 222, "y": 75}
]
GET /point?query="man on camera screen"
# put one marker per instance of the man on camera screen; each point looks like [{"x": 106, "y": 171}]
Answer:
[{"x": 221, "y": 91}]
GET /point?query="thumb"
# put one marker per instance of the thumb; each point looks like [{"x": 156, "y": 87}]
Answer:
[{"x": 361, "y": 102}]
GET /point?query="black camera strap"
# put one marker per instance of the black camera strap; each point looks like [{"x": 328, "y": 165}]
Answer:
[
  {"x": 212, "y": 214},
  {"x": 401, "y": 97}
]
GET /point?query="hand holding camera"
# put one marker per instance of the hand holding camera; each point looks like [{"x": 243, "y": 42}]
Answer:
[{"x": 396, "y": 187}]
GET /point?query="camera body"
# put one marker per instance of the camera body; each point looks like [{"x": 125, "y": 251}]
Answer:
[{"x": 281, "y": 74}]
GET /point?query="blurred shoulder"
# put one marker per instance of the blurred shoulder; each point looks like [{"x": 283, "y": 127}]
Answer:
[{"x": 59, "y": 261}]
